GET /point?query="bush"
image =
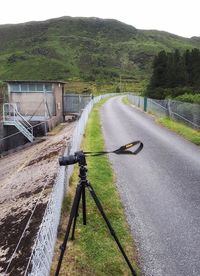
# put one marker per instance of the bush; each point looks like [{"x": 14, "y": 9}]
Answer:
[
  {"x": 189, "y": 98},
  {"x": 176, "y": 92},
  {"x": 158, "y": 93},
  {"x": 117, "y": 89}
]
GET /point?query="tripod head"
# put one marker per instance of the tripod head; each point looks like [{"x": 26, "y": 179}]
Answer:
[{"x": 80, "y": 156}]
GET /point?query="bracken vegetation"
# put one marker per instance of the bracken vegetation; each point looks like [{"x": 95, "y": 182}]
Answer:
[{"x": 106, "y": 55}]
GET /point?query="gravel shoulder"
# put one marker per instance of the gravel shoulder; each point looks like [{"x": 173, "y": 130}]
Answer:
[{"x": 26, "y": 181}]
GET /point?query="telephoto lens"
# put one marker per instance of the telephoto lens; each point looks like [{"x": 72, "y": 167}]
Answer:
[{"x": 67, "y": 160}]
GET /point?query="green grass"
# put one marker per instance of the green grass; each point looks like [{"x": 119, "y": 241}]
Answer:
[
  {"x": 125, "y": 100},
  {"x": 94, "y": 252},
  {"x": 77, "y": 51},
  {"x": 185, "y": 131}
]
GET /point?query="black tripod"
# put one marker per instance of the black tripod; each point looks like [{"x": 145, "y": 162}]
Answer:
[{"x": 79, "y": 158}]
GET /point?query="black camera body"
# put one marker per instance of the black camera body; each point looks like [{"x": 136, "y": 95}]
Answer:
[{"x": 78, "y": 157}]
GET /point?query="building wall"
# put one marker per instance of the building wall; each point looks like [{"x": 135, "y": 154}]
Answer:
[
  {"x": 58, "y": 92},
  {"x": 29, "y": 104},
  {"x": 49, "y": 105},
  {"x": 33, "y": 104}
]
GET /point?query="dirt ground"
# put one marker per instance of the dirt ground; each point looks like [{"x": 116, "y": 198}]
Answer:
[{"x": 26, "y": 181}]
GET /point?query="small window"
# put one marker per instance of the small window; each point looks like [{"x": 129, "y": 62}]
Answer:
[
  {"x": 24, "y": 87},
  {"x": 15, "y": 88},
  {"x": 32, "y": 87},
  {"x": 48, "y": 87},
  {"x": 39, "y": 87}
]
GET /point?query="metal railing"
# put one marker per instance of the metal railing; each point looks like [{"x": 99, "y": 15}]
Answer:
[
  {"x": 40, "y": 260},
  {"x": 187, "y": 113},
  {"x": 11, "y": 116},
  {"x": 75, "y": 103}
]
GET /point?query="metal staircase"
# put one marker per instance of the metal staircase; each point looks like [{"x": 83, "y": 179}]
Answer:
[{"x": 12, "y": 117}]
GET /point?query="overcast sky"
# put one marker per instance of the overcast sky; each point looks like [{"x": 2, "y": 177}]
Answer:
[{"x": 181, "y": 17}]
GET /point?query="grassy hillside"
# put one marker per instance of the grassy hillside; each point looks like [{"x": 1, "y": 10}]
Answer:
[{"x": 83, "y": 49}]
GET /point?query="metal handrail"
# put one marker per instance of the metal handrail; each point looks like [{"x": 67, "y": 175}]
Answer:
[{"x": 11, "y": 114}]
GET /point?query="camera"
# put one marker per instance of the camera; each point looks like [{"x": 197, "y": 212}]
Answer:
[{"x": 78, "y": 157}]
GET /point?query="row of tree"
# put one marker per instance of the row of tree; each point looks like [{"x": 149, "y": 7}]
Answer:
[{"x": 174, "y": 71}]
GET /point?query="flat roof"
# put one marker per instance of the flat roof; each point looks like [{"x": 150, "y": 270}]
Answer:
[{"x": 35, "y": 81}]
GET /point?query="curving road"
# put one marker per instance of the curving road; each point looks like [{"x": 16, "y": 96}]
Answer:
[{"x": 160, "y": 189}]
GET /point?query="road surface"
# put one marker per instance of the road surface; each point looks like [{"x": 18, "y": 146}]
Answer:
[{"x": 160, "y": 190}]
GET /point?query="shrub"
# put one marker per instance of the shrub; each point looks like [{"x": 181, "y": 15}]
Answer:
[{"x": 189, "y": 98}]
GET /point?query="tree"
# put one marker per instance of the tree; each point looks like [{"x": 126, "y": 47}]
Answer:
[
  {"x": 194, "y": 69},
  {"x": 158, "y": 78},
  {"x": 172, "y": 72}
]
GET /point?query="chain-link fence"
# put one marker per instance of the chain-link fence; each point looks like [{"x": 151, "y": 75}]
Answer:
[
  {"x": 40, "y": 260},
  {"x": 187, "y": 113},
  {"x": 75, "y": 103}
]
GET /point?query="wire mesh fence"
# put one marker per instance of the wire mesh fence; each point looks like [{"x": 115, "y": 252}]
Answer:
[
  {"x": 75, "y": 103},
  {"x": 136, "y": 100},
  {"x": 157, "y": 107},
  {"x": 187, "y": 113},
  {"x": 40, "y": 260}
]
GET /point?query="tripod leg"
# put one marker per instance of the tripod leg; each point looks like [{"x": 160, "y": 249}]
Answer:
[
  {"x": 83, "y": 208},
  {"x": 84, "y": 204},
  {"x": 71, "y": 217},
  {"x": 77, "y": 207},
  {"x": 99, "y": 206}
]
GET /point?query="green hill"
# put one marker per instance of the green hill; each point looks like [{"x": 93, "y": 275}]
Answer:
[{"x": 83, "y": 49}]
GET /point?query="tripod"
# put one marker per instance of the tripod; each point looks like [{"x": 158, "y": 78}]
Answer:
[{"x": 79, "y": 158}]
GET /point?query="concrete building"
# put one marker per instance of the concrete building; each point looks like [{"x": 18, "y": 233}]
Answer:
[
  {"x": 38, "y": 100},
  {"x": 33, "y": 108}
]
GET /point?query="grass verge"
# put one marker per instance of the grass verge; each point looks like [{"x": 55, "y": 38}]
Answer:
[
  {"x": 94, "y": 252},
  {"x": 188, "y": 133},
  {"x": 125, "y": 100}
]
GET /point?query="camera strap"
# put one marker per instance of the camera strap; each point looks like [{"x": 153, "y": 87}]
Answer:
[{"x": 122, "y": 150}]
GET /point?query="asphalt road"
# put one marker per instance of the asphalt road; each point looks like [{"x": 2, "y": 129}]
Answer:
[{"x": 160, "y": 190}]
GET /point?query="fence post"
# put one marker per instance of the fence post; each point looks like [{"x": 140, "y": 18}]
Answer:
[
  {"x": 169, "y": 112},
  {"x": 145, "y": 104}
]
